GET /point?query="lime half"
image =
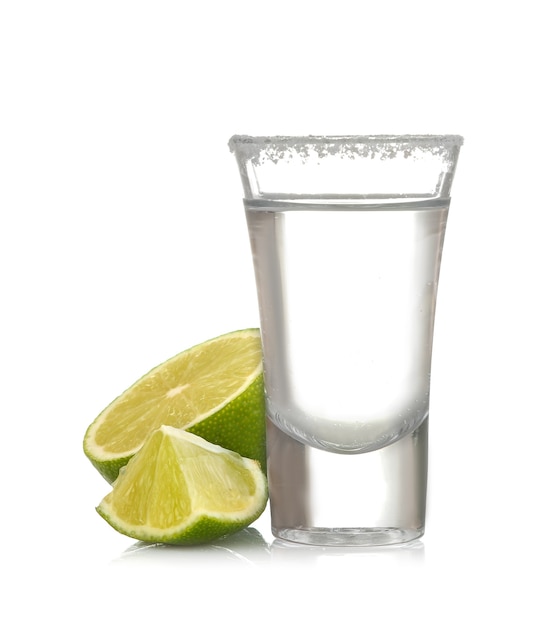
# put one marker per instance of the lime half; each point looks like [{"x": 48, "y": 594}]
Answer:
[{"x": 214, "y": 389}]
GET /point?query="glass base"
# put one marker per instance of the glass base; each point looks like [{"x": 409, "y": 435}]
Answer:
[
  {"x": 347, "y": 536},
  {"x": 322, "y": 498}
]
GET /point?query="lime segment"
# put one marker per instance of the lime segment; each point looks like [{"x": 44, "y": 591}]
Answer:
[{"x": 181, "y": 489}]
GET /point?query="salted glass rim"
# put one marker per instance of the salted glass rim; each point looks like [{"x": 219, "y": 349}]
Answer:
[
  {"x": 356, "y": 166},
  {"x": 413, "y": 140}
]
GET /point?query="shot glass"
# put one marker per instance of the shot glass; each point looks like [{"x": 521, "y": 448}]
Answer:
[{"x": 346, "y": 235}]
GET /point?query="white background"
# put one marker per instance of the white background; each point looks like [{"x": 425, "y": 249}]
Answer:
[{"x": 123, "y": 241}]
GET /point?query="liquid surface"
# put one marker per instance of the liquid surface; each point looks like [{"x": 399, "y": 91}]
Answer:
[{"x": 347, "y": 296}]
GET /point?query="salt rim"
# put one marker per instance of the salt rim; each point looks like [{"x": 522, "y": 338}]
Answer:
[{"x": 274, "y": 148}]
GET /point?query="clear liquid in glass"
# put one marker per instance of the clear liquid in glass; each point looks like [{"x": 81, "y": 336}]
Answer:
[{"x": 347, "y": 295}]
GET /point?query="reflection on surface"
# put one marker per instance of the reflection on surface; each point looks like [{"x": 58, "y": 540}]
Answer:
[
  {"x": 283, "y": 552},
  {"x": 249, "y": 548},
  {"x": 245, "y": 547}
]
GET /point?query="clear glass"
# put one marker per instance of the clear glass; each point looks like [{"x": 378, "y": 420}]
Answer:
[{"x": 347, "y": 235}]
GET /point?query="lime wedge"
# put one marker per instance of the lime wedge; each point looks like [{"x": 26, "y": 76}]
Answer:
[
  {"x": 181, "y": 489},
  {"x": 214, "y": 389}
]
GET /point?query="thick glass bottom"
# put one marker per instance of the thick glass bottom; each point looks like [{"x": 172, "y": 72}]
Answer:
[
  {"x": 322, "y": 498},
  {"x": 348, "y": 536}
]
